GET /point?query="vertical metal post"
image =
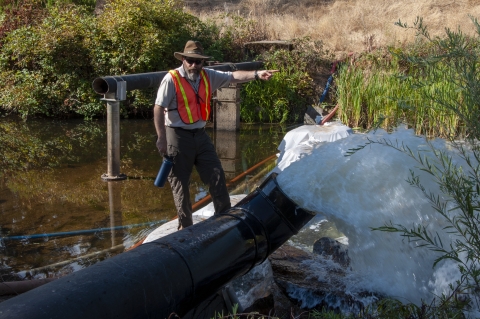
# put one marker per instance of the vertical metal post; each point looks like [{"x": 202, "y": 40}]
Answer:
[
  {"x": 113, "y": 138},
  {"x": 113, "y": 133}
]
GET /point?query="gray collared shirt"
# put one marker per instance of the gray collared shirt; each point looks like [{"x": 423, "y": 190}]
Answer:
[{"x": 167, "y": 98}]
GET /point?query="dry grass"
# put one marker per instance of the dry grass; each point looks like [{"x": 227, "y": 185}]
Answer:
[{"x": 346, "y": 25}]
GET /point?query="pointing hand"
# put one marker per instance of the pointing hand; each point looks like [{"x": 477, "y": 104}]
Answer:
[{"x": 266, "y": 74}]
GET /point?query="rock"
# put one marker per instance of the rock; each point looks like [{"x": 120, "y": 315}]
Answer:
[
  {"x": 258, "y": 292},
  {"x": 284, "y": 306},
  {"x": 274, "y": 302},
  {"x": 311, "y": 113},
  {"x": 293, "y": 281},
  {"x": 329, "y": 247},
  {"x": 312, "y": 281},
  {"x": 262, "y": 306}
]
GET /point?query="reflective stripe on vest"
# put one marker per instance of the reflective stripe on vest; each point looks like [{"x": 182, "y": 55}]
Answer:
[{"x": 192, "y": 106}]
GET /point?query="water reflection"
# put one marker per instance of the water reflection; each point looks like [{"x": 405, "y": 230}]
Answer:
[
  {"x": 228, "y": 149},
  {"x": 115, "y": 204},
  {"x": 63, "y": 192}
]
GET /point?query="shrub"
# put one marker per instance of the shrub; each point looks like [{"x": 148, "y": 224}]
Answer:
[
  {"x": 135, "y": 36},
  {"x": 48, "y": 68},
  {"x": 286, "y": 96},
  {"x": 16, "y": 14},
  {"x": 45, "y": 69}
]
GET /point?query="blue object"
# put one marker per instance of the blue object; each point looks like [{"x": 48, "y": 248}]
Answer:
[
  {"x": 164, "y": 171},
  {"x": 81, "y": 232},
  {"x": 325, "y": 91}
]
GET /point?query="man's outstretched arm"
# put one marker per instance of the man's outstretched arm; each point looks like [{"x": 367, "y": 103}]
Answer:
[{"x": 245, "y": 76}]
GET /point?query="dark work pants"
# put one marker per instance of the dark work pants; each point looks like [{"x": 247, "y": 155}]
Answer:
[{"x": 194, "y": 148}]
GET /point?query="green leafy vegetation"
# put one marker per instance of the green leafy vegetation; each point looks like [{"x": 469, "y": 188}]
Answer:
[
  {"x": 433, "y": 87},
  {"x": 43, "y": 69},
  {"x": 51, "y": 52},
  {"x": 47, "y": 64},
  {"x": 286, "y": 96},
  {"x": 396, "y": 85}
]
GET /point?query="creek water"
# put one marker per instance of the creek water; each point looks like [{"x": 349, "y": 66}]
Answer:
[{"x": 61, "y": 216}]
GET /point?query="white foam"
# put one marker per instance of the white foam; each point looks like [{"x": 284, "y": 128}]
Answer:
[{"x": 369, "y": 189}]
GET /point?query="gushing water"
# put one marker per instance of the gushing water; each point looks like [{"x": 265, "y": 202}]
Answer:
[{"x": 369, "y": 189}]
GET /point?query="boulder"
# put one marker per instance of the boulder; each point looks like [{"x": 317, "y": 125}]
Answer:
[
  {"x": 331, "y": 248},
  {"x": 314, "y": 281}
]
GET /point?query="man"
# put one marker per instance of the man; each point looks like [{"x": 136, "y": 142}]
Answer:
[{"x": 181, "y": 110}]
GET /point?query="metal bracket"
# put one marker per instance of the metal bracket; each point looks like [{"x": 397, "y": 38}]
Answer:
[{"x": 119, "y": 95}]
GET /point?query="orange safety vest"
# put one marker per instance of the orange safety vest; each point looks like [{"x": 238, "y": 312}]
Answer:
[{"x": 192, "y": 106}]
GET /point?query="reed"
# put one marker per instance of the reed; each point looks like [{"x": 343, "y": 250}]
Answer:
[{"x": 382, "y": 95}]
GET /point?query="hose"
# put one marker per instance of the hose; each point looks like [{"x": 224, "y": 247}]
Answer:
[
  {"x": 80, "y": 232},
  {"x": 207, "y": 198}
]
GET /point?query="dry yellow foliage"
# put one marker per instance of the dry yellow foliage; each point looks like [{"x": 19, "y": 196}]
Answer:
[{"x": 345, "y": 25}]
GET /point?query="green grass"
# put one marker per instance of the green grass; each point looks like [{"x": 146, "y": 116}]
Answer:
[{"x": 371, "y": 96}]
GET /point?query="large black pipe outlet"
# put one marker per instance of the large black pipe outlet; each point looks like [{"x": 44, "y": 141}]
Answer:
[
  {"x": 172, "y": 274},
  {"x": 108, "y": 84}
]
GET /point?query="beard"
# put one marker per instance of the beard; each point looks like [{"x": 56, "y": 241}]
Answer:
[
  {"x": 192, "y": 75},
  {"x": 192, "y": 71}
]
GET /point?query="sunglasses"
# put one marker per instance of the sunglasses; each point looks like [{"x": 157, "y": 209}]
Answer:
[{"x": 192, "y": 61}]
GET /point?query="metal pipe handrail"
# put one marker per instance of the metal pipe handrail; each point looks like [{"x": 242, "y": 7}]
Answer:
[{"x": 109, "y": 84}]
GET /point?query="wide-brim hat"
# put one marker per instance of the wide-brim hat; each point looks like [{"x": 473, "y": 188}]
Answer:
[{"x": 193, "y": 49}]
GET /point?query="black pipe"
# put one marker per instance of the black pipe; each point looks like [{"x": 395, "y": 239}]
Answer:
[
  {"x": 174, "y": 273},
  {"x": 108, "y": 84}
]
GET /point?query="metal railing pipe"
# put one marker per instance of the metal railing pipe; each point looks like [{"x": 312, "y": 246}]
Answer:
[{"x": 108, "y": 84}]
